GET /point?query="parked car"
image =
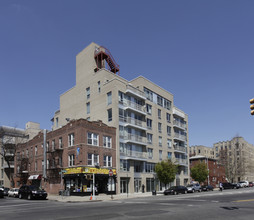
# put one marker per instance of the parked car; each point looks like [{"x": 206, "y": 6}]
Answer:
[
  {"x": 176, "y": 190},
  {"x": 14, "y": 192},
  {"x": 6, "y": 190},
  {"x": 207, "y": 188},
  {"x": 230, "y": 186},
  {"x": 193, "y": 188},
  {"x": 32, "y": 192},
  {"x": 1, "y": 193},
  {"x": 243, "y": 184},
  {"x": 250, "y": 184}
]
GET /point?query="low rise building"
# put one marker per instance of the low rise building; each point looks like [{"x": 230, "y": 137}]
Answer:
[
  {"x": 71, "y": 158},
  {"x": 216, "y": 171},
  {"x": 9, "y": 138}
]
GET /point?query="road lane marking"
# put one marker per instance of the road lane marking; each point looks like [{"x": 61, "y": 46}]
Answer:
[{"x": 247, "y": 200}]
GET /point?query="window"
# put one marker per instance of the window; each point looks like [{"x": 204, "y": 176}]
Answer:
[
  {"x": 160, "y": 154},
  {"x": 159, "y": 100},
  {"x": 124, "y": 165},
  {"x": 47, "y": 167},
  {"x": 35, "y": 165},
  {"x": 150, "y": 167},
  {"x": 107, "y": 161},
  {"x": 168, "y": 117},
  {"x": 93, "y": 159},
  {"x": 110, "y": 114},
  {"x": 71, "y": 160},
  {"x": 167, "y": 104},
  {"x": 27, "y": 153},
  {"x": 71, "y": 139},
  {"x": 35, "y": 151},
  {"x": 60, "y": 161},
  {"x": 159, "y": 113},
  {"x": 150, "y": 153},
  {"x": 148, "y": 94},
  {"x": 148, "y": 109},
  {"x": 57, "y": 122},
  {"x": 109, "y": 98},
  {"x": 159, "y": 127},
  {"x": 88, "y": 108},
  {"x": 92, "y": 139},
  {"x": 47, "y": 146},
  {"x": 99, "y": 86},
  {"x": 107, "y": 141},
  {"x": 53, "y": 145},
  {"x": 149, "y": 138},
  {"x": 169, "y": 155},
  {"x": 60, "y": 142},
  {"x": 169, "y": 130},
  {"x": 120, "y": 97},
  {"x": 88, "y": 93},
  {"x": 160, "y": 141},
  {"x": 149, "y": 123},
  {"x": 169, "y": 143}
]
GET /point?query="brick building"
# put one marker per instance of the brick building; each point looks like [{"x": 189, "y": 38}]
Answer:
[
  {"x": 72, "y": 155},
  {"x": 216, "y": 170}
]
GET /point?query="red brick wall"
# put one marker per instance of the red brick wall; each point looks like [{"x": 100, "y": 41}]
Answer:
[{"x": 79, "y": 128}]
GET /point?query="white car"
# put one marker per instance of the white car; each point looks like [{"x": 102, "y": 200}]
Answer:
[
  {"x": 243, "y": 184},
  {"x": 14, "y": 192}
]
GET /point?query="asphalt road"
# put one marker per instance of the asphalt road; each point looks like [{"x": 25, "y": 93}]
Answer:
[{"x": 229, "y": 204}]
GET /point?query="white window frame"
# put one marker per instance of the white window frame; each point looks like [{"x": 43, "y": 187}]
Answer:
[
  {"x": 107, "y": 141},
  {"x": 92, "y": 139},
  {"x": 71, "y": 139},
  {"x": 71, "y": 160}
]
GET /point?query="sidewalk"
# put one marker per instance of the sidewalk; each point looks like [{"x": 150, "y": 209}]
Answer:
[{"x": 99, "y": 197}]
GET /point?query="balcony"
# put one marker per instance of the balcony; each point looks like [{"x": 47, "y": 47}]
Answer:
[
  {"x": 135, "y": 91},
  {"x": 179, "y": 125},
  {"x": 5, "y": 165},
  {"x": 127, "y": 104},
  {"x": 133, "y": 155},
  {"x": 180, "y": 149},
  {"x": 133, "y": 138},
  {"x": 178, "y": 112},
  {"x": 128, "y": 121},
  {"x": 180, "y": 137},
  {"x": 180, "y": 161}
]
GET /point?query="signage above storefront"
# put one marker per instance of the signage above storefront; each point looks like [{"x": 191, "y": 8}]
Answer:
[{"x": 91, "y": 170}]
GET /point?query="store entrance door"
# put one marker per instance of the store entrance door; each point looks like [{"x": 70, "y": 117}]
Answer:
[
  {"x": 124, "y": 185},
  {"x": 137, "y": 185}
]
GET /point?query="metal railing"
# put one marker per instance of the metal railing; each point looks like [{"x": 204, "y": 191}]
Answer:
[
  {"x": 128, "y": 103},
  {"x": 135, "y": 90},
  {"x": 134, "y": 154},
  {"x": 132, "y": 121},
  {"x": 179, "y": 124},
  {"x": 180, "y": 148}
]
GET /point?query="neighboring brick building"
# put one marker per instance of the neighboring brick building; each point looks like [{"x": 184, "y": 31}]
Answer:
[
  {"x": 75, "y": 152},
  {"x": 216, "y": 170}
]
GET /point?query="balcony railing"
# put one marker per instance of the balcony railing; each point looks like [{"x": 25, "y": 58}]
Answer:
[
  {"x": 133, "y": 138},
  {"x": 180, "y": 148},
  {"x": 180, "y": 137},
  {"x": 133, "y": 105},
  {"x": 181, "y": 161},
  {"x": 135, "y": 91},
  {"x": 179, "y": 124},
  {"x": 133, "y": 121},
  {"x": 134, "y": 154},
  {"x": 5, "y": 165}
]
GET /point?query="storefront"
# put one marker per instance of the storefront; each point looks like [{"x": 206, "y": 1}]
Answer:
[
  {"x": 35, "y": 180},
  {"x": 79, "y": 180}
]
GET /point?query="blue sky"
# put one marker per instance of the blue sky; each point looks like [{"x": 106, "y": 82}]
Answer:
[{"x": 201, "y": 51}]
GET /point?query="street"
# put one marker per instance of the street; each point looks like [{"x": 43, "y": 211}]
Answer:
[{"x": 229, "y": 204}]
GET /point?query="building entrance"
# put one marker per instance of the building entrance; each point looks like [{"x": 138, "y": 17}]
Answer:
[
  {"x": 137, "y": 185},
  {"x": 124, "y": 185}
]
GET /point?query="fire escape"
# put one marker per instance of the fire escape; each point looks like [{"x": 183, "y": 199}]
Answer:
[
  {"x": 54, "y": 166},
  {"x": 101, "y": 55}
]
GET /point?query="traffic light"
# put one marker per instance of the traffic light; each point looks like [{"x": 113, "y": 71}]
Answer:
[{"x": 252, "y": 106}]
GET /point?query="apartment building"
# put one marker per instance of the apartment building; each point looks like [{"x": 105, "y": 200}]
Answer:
[
  {"x": 9, "y": 138},
  {"x": 69, "y": 158},
  {"x": 202, "y": 151},
  {"x": 149, "y": 128},
  {"x": 237, "y": 155}
]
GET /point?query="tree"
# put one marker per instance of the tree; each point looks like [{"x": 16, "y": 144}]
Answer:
[
  {"x": 166, "y": 171},
  {"x": 199, "y": 172}
]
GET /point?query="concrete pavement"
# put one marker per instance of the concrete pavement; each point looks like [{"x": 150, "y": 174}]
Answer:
[{"x": 101, "y": 197}]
